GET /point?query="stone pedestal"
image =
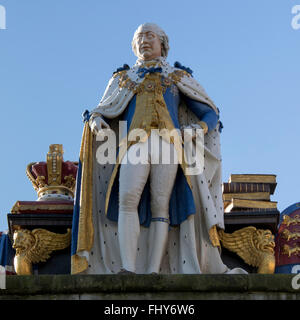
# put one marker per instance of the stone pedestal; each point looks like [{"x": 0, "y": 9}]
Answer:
[{"x": 151, "y": 287}]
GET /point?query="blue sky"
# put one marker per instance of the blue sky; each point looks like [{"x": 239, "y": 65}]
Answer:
[{"x": 57, "y": 56}]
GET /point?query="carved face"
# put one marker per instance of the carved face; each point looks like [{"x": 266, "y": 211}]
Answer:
[
  {"x": 23, "y": 240},
  {"x": 148, "y": 44},
  {"x": 264, "y": 240}
]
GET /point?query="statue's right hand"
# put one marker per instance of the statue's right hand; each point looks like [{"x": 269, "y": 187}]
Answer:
[{"x": 97, "y": 124}]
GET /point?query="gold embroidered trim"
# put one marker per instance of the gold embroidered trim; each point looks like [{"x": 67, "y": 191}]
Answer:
[
  {"x": 78, "y": 264},
  {"x": 214, "y": 236},
  {"x": 177, "y": 75},
  {"x": 85, "y": 226},
  {"x": 172, "y": 79},
  {"x": 125, "y": 81}
]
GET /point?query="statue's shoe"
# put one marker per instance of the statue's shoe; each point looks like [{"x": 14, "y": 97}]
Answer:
[{"x": 124, "y": 271}]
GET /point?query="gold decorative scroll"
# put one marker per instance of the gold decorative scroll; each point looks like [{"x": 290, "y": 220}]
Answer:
[{"x": 32, "y": 179}]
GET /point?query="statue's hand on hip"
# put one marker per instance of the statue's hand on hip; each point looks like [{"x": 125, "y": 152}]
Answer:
[{"x": 97, "y": 124}]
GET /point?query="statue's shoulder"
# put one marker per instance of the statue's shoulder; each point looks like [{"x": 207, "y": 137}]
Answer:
[
  {"x": 179, "y": 67},
  {"x": 180, "y": 74},
  {"x": 122, "y": 69}
]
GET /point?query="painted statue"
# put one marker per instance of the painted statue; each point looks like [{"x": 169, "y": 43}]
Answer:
[{"x": 149, "y": 216}]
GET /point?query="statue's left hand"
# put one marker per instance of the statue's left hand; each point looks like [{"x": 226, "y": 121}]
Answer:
[{"x": 97, "y": 124}]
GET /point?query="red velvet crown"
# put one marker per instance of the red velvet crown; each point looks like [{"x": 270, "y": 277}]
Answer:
[{"x": 54, "y": 179}]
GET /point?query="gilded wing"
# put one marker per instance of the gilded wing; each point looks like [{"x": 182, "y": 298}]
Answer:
[
  {"x": 241, "y": 242},
  {"x": 46, "y": 242}
]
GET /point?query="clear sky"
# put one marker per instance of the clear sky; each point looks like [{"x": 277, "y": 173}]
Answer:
[{"x": 56, "y": 57}]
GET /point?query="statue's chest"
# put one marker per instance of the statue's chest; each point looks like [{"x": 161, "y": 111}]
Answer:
[
  {"x": 156, "y": 84},
  {"x": 152, "y": 84}
]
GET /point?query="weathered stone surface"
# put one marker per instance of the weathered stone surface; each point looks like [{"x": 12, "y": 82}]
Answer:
[{"x": 146, "y": 287}]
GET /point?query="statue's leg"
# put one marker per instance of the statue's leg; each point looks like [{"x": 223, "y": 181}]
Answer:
[
  {"x": 133, "y": 178},
  {"x": 162, "y": 179}
]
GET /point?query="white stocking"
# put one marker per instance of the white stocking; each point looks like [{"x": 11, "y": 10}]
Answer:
[
  {"x": 133, "y": 178},
  {"x": 162, "y": 177}
]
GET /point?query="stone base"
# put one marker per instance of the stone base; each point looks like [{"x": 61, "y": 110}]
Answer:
[{"x": 150, "y": 287}]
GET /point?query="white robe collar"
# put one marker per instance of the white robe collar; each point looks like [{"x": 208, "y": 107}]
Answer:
[
  {"x": 157, "y": 62},
  {"x": 116, "y": 97}
]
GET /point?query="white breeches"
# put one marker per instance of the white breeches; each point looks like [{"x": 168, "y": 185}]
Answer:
[{"x": 133, "y": 178}]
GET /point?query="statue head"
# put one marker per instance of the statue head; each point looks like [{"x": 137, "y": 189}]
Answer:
[{"x": 150, "y": 42}]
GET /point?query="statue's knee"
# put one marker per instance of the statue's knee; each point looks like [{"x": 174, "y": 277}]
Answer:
[
  {"x": 129, "y": 199},
  {"x": 160, "y": 206}
]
